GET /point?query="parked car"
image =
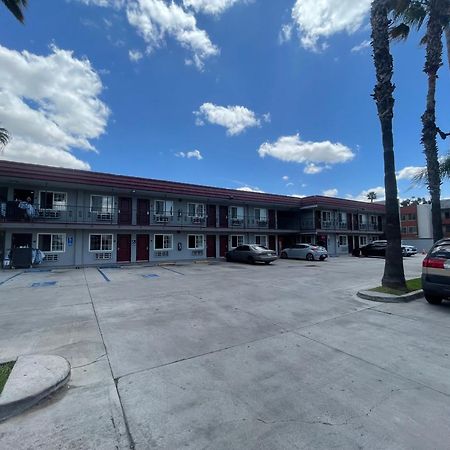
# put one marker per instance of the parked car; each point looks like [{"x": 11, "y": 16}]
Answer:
[
  {"x": 436, "y": 272},
  {"x": 305, "y": 251},
  {"x": 378, "y": 248},
  {"x": 251, "y": 254}
]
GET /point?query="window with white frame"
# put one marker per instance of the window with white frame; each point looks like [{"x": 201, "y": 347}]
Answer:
[
  {"x": 236, "y": 240},
  {"x": 261, "y": 240},
  {"x": 237, "y": 212},
  {"x": 261, "y": 214},
  {"x": 163, "y": 241},
  {"x": 326, "y": 216},
  {"x": 53, "y": 200},
  {"x": 196, "y": 210},
  {"x": 362, "y": 219},
  {"x": 343, "y": 241},
  {"x": 373, "y": 220},
  {"x": 55, "y": 242},
  {"x": 164, "y": 207},
  {"x": 362, "y": 240},
  {"x": 100, "y": 242},
  {"x": 342, "y": 217},
  {"x": 101, "y": 203},
  {"x": 196, "y": 241}
]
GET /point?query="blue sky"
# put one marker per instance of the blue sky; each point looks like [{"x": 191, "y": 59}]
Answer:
[{"x": 271, "y": 95}]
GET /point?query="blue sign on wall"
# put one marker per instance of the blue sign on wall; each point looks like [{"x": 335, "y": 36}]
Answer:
[{"x": 70, "y": 241}]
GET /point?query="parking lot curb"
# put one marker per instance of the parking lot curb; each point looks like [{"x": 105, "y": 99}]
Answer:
[
  {"x": 33, "y": 378},
  {"x": 389, "y": 298}
]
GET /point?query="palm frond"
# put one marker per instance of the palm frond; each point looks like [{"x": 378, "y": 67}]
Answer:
[
  {"x": 16, "y": 7},
  {"x": 399, "y": 32}
]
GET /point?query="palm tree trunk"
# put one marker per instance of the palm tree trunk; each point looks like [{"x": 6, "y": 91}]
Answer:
[
  {"x": 394, "y": 275},
  {"x": 429, "y": 131},
  {"x": 447, "y": 41}
]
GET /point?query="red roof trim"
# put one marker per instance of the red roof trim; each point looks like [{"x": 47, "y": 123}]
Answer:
[{"x": 48, "y": 173}]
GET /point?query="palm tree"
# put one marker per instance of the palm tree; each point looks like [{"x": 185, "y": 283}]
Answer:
[
  {"x": 372, "y": 196},
  {"x": 444, "y": 169},
  {"x": 394, "y": 275},
  {"x": 4, "y": 138},
  {"x": 16, "y": 7},
  {"x": 437, "y": 13}
]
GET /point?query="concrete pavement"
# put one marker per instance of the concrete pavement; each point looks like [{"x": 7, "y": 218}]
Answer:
[{"x": 230, "y": 356}]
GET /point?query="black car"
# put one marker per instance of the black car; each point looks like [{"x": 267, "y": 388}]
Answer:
[{"x": 378, "y": 248}]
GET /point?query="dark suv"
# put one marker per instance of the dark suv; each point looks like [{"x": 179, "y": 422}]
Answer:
[{"x": 436, "y": 272}]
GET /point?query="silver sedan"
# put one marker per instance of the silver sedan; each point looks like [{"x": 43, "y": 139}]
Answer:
[{"x": 305, "y": 251}]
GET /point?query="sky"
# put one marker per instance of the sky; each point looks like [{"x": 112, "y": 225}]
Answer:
[{"x": 262, "y": 95}]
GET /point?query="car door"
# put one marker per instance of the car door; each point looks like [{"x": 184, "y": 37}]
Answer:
[
  {"x": 238, "y": 253},
  {"x": 301, "y": 250}
]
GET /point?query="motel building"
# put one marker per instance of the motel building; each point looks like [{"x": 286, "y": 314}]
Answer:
[{"x": 83, "y": 218}]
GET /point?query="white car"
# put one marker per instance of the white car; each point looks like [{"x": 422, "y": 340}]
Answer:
[{"x": 305, "y": 251}]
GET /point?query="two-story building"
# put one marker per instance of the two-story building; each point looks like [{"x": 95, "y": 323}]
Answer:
[{"x": 81, "y": 218}]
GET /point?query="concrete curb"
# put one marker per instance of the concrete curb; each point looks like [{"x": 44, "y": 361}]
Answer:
[
  {"x": 33, "y": 378},
  {"x": 389, "y": 298}
]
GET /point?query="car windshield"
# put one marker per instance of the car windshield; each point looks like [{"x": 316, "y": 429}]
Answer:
[
  {"x": 441, "y": 251},
  {"x": 259, "y": 248}
]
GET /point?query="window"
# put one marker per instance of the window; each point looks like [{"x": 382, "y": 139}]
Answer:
[
  {"x": 196, "y": 210},
  {"x": 362, "y": 218},
  {"x": 101, "y": 203},
  {"x": 163, "y": 241},
  {"x": 52, "y": 242},
  {"x": 261, "y": 240},
  {"x": 403, "y": 218},
  {"x": 164, "y": 207},
  {"x": 343, "y": 242},
  {"x": 362, "y": 240},
  {"x": 404, "y": 230},
  {"x": 237, "y": 212},
  {"x": 412, "y": 230},
  {"x": 261, "y": 214},
  {"x": 236, "y": 240},
  {"x": 100, "y": 242},
  {"x": 53, "y": 200},
  {"x": 342, "y": 217},
  {"x": 373, "y": 220},
  {"x": 196, "y": 242},
  {"x": 326, "y": 216}
]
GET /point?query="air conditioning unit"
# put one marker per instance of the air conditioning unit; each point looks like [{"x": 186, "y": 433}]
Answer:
[
  {"x": 161, "y": 219},
  {"x": 104, "y": 216},
  {"x": 103, "y": 256}
]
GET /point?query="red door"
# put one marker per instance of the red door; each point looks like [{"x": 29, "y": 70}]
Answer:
[
  {"x": 223, "y": 245},
  {"x": 272, "y": 242},
  {"x": 210, "y": 246},
  {"x": 211, "y": 216},
  {"x": 271, "y": 218},
  {"x": 223, "y": 217},
  {"x": 142, "y": 247},
  {"x": 123, "y": 247},
  {"x": 143, "y": 211},
  {"x": 124, "y": 210}
]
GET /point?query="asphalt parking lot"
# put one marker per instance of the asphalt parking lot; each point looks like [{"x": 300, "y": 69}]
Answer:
[{"x": 229, "y": 356}]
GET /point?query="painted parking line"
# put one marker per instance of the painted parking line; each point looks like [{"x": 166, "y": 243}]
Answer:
[
  {"x": 103, "y": 274},
  {"x": 171, "y": 270},
  {"x": 150, "y": 275},
  {"x": 10, "y": 278},
  {"x": 38, "y": 284}
]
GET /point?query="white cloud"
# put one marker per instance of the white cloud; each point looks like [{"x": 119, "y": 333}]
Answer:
[
  {"x": 330, "y": 192},
  {"x": 289, "y": 184},
  {"x": 362, "y": 196},
  {"x": 189, "y": 155},
  {"x": 313, "y": 169},
  {"x": 408, "y": 173},
  {"x": 135, "y": 55},
  {"x": 285, "y": 34},
  {"x": 235, "y": 119},
  {"x": 156, "y": 19},
  {"x": 214, "y": 7},
  {"x": 285, "y": 178},
  {"x": 104, "y": 3},
  {"x": 250, "y": 189},
  {"x": 362, "y": 46},
  {"x": 317, "y": 20},
  {"x": 298, "y": 195},
  {"x": 50, "y": 105},
  {"x": 293, "y": 149}
]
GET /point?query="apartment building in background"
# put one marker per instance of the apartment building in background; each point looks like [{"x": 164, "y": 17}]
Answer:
[{"x": 82, "y": 218}]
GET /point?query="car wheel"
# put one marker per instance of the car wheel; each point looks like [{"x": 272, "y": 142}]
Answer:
[
  {"x": 432, "y": 299},
  {"x": 228, "y": 258},
  {"x": 284, "y": 255},
  {"x": 267, "y": 262},
  {"x": 251, "y": 260},
  {"x": 310, "y": 257}
]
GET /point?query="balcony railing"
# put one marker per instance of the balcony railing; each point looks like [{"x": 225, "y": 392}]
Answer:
[{"x": 73, "y": 214}]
